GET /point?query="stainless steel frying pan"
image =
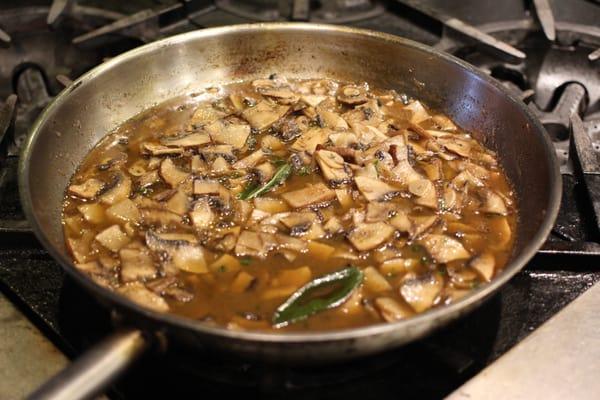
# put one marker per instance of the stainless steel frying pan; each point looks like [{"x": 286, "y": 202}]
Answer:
[{"x": 120, "y": 88}]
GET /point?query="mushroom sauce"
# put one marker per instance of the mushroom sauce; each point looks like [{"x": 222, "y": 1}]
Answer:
[{"x": 290, "y": 205}]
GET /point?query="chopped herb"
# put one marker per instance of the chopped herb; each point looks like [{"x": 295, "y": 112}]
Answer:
[
  {"x": 280, "y": 175},
  {"x": 304, "y": 170},
  {"x": 145, "y": 190},
  {"x": 302, "y": 304},
  {"x": 251, "y": 142},
  {"x": 222, "y": 268},
  {"x": 277, "y": 161},
  {"x": 245, "y": 260}
]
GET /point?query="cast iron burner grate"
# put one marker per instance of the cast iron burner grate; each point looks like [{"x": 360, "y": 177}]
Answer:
[{"x": 84, "y": 36}]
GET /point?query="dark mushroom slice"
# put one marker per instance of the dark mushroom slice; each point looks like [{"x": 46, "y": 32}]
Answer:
[
  {"x": 141, "y": 295},
  {"x": 367, "y": 236},
  {"x": 264, "y": 114},
  {"x": 182, "y": 252},
  {"x": 88, "y": 189},
  {"x": 160, "y": 150},
  {"x": 136, "y": 264},
  {"x": 311, "y": 194}
]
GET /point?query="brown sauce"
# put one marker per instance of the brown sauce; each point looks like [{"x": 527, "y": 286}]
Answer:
[{"x": 346, "y": 175}]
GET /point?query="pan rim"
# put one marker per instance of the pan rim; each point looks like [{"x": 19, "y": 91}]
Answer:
[{"x": 445, "y": 313}]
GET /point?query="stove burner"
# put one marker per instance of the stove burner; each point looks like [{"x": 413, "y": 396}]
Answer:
[
  {"x": 38, "y": 54},
  {"x": 334, "y": 11}
]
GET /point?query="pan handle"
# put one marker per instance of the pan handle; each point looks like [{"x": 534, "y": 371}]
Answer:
[{"x": 96, "y": 369}]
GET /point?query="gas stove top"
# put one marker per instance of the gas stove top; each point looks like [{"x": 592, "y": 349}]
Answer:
[{"x": 543, "y": 51}]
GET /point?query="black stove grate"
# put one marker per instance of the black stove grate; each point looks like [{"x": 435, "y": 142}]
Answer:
[{"x": 431, "y": 368}]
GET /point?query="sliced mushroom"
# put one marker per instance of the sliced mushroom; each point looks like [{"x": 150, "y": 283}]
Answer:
[
  {"x": 401, "y": 222},
  {"x": 444, "y": 122},
  {"x": 289, "y": 243},
  {"x": 264, "y": 114},
  {"x": 160, "y": 150},
  {"x": 311, "y": 194},
  {"x": 158, "y": 217},
  {"x": 333, "y": 167},
  {"x": 494, "y": 204},
  {"x": 283, "y": 95},
  {"x": 184, "y": 254},
  {"x": 421, "y": 224},
  {"x": 332, "y": 120},
  {"x": 178, "y": 203},
  {"x": 202, "y": 216},
  {"x": 312, "y": 100},
  {"x": 220, "y": 165},
  {"x": 484, "y": 264},
  {"x": 207, "y": 187},
  {"x": 419, "y": 113},
  {"x": 311, "y": 139},
  {"x": 234, "y": 134},
  {"x": 265, "y": 171},
  {"x": 375, "y": 282},
  {"x": 379, "y": 211},
  {"x": 421, "y": 292},
  {"x": 92, "y": 213},
  {"x": 88, "y": 189},
  {"x": 391, "y": 310},
  {"x": 250, "y": 160},
  {"x": 367, "y": 236},
  {"x": 191, "y": 140},
  {"x": 136, "y": 264},
  {"x": 254, "y": 244},
  {"x": 119, "y": 189},
  {"x": 141, "y": 295},
  {"x": 352, "y": 95},
  {"x": 460, "y": 147},
  {"x": 205, "y": 114},
  {"x": 171, "y": 174},
  {"x": 444, "y": 248},
  {"x": 425, "y": 191},
  {"x": 148, "y": 179},
  {"x": 374, "y": 189},
  {"x": 123, "y": 212},
  {"x": 113, "y": 238},
  {"x": 220, "y": 150}
]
